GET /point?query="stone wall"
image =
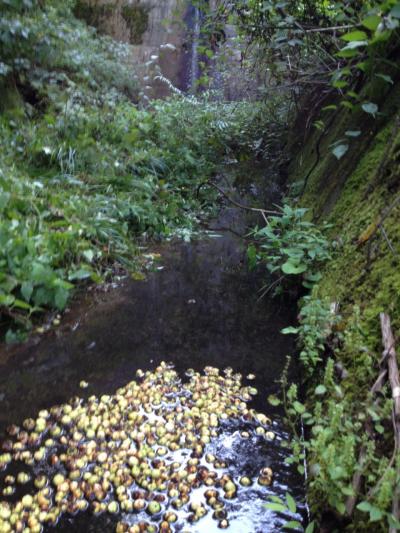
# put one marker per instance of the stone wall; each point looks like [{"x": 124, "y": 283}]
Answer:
[{"x": 155, "y": 29}]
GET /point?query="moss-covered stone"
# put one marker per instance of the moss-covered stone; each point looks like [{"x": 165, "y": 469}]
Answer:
[
  {"x": 132, "y": 19},
  {"x": 137, "y": 20},
  {"x": 352, "y": 194}
]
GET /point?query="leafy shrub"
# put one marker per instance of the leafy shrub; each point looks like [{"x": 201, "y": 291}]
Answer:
[
  {"x": 316, "y": 323},
  {"x": 334, "y": 415},
  {"x": 46, "y": 49},
  {"x": 289, "y": 245}
]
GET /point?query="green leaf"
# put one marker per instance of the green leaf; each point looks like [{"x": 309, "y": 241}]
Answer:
[
  {"x": 340, "y": 84},
  {"x": 331, "y": 107},
  {"x": 61, "y": 298},
  {"x": 89, "y": 255},
  {"x": 252, "y": 256},
  {"x": 299, "y": 407},
  {"x": 293, "y": 524},
  {"x": 276, "y": 499},
  {"x": 291, "y": 503},
  {"x": 370, "y": 107},
  {"x": 354, "y": 36},
  {"x": 371, "y": 22},
  {"x": 393, "y": 522},
  {"x": 320, "y": 390},
  {"x": 395, "y": 11},
  {"x": 26, "y": 290},
  {"x": 292, "y": 268},
  {"x": 364, "y": 506},
  {"x": 310, "y": 528},
  {"x": 352, "y": 133},
  {"x": 273, "y": 400},
  {"x": 81, "y": 273},
  {"x": 20, "y": 304},
  {"x": 276, "y": 507},
  {"x": 6, "y": 299},
  {"x": 340, "y": 150},
  {"x": 347, "y": 52},
  {"x": 289, "y": 330},
  {"x": 385, "y": 77},
  {"x": 375, "y": 514}
]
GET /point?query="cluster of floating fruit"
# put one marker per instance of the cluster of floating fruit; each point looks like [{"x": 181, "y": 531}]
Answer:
[{"x": 138, "y": 453}]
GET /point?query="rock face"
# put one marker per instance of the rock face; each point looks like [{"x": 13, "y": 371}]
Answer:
[
  {"x": 163, "y": 48},
  {"x": 156, "y": 30},
  {"x": 166, "y": 36}
]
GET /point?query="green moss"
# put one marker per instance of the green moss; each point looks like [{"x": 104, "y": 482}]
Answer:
[
  {"x": 94, "y": 15},
  {"x": 352, "y": 194},
  {"x": 137, "y": 20},
  {"x": 136, "y": 17}
]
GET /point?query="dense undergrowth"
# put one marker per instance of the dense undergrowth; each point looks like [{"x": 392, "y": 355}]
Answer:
[{"x": 86, "y": 175}]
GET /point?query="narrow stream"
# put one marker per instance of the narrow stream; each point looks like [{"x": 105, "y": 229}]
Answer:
[{"x": 198, "y": 308}]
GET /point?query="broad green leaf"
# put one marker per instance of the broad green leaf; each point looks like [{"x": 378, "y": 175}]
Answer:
[
  {"x": 371, "y": 22},
  {"x": 291, "y": 503},
  {"x": 348, "y": 491},
  {"x": 347, "y": 104},
  {"x": 89, "y": 255},
  {"x": 273, "y": 400},
  {"x": 364, "y": 506},
  {"x": 6, "y": 299},
  {"x": 299, "y": 407},
  {"x": 61, "y": 298},
  {"x": 276, "y": 499},
  {"x": 292, "y": 268},
  {"x": 340, "y": 150},
  {"x": 20, "y": 304},
  {"x": 370, "y": 107},
  {"x": 320, "y": 390},
  {"x": 393, "y": 522},
  {"x": 81, "y": 273},
  {"x": 276, "y": 507},
  {"x": 26, "y": 290},
  {"x": 355, "y": 36},
  {"x": 395, "y": 11},
  {"x": 375, "y": 514},
  {"x": 310, "y": 528},
  {"x": 348, "y": 52},
  {"x": 293, "y": 524}
]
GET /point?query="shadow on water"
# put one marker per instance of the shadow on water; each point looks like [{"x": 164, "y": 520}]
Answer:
[{"x": 200, "y": 308}]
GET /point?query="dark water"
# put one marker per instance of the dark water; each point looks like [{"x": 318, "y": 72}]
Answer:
[{"x": 199, "y": 307}]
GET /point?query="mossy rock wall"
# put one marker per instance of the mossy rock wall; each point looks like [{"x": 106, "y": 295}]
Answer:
[
  {"x": 354, "y": 194},
  {"x": 122, "y": 20}
]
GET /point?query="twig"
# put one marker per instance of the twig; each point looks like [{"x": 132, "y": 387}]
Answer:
[
  {"x": 241, "y": 206},
  {"x": 383, "y": 231},
  {"x": 270, "y": 287}
]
